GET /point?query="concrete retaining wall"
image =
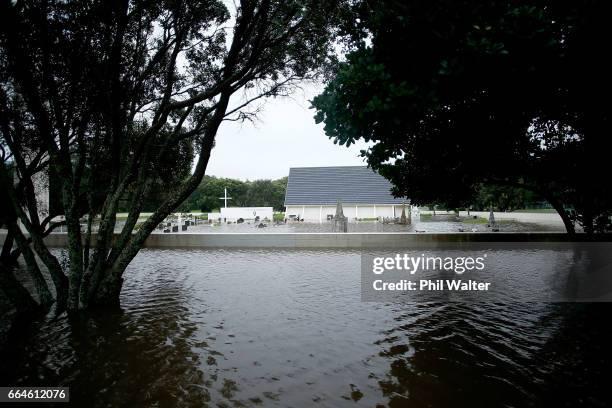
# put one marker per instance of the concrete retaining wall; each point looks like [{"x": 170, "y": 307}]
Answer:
[
  {"x": 327, "y": 240},
  {"x": 333, "y": 240}
]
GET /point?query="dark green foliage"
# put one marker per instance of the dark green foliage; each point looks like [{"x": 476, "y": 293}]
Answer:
[
  {"x": 267, "y": 193},
  {"x": 455, "y": 94},
  {"x": 257, "y": 193},
  {"x": 502, "y": 198},
  {"x": 120, "y": 102}
]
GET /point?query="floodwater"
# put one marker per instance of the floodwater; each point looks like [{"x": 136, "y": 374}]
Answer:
[
  {"x": 440, "y": 223},
  {"x": 287, "y": 328}
]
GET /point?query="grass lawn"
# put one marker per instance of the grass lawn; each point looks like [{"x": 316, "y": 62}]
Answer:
[
  {"x": 481, "y": 220},
  {"x": 477, "y": 220}
]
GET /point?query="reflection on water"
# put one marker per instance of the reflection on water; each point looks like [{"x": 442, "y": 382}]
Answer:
[{"x": 287, "y": 328}]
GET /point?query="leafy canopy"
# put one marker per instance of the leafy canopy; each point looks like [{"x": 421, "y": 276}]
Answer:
[
  {"x": 453, "y": 94},
  {"x": 121, "y": 102}
]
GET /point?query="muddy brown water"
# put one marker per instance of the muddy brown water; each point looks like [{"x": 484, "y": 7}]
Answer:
[{"x": 287, "y": 328}]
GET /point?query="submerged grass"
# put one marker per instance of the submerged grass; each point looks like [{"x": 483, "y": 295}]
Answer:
[
  {"x": 477, "y": 220},
  {"x": 481, "y": 220}
]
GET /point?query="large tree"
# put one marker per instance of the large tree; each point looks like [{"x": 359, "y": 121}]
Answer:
[
  {"x": 101, "y": 93},
  {"x": 267, "y": 193},
  {"x": 453, "y": 94},
  {"x": 207, "y": 196},
  {"x": 256, "y": 193}
]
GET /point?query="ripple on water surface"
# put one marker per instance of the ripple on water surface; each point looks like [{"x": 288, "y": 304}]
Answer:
[{"x": 288, "y": 328}]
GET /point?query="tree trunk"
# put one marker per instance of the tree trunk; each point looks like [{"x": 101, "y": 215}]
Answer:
[
  {"x": 109, "y": 290},
  {"x": 556, "y": 204},
  {"x": 16, "y": 293},
  {"x": 7, "y": 246},
  {"x": 97, "y": 262},
  {"x": 567, "y": 221},
  {"x": 106, "y": 283},
  {"x": 75, "y": 255},
  {"x": 40, "y": 284},
  {"x": 587, "y": 221}
]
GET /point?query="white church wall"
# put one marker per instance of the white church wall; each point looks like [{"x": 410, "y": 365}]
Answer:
[
  {"x": 384, "y": 211},
  {"x": 317, "y": 213},
  {"x": 365, "y": 211},
  {"x": 314, "y": 213},
  {"x": 349, "y": 211},
  {"x": 328, "y": 210}
]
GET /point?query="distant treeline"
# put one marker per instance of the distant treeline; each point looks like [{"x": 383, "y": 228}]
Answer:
[
  {"x": 256, "y": 193},
  {"x": 206, "y": 198},
  {"x": 271, "y": 193},
  {"x": 498, "y": 198}
]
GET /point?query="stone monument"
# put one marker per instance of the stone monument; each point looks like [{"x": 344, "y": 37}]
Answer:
[
  {"x": 405, "y": 220},
  {"x": 491, "y": 219},
  {"x": 340, "y": 221}
]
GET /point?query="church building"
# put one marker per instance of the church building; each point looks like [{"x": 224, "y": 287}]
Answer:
[{"x": 312, "y": 194}]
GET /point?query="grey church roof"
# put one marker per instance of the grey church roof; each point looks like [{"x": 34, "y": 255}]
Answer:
[{"x": 325, "y": 185}]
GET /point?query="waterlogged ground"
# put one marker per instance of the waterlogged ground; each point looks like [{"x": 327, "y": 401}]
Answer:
[
  {"x": 439, "y": 223},
  {"x": 427, "y": 223},
  {"x": 282, "y": 328}
]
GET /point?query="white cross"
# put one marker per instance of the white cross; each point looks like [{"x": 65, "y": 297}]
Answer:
[{"x": 225, "y": 198}]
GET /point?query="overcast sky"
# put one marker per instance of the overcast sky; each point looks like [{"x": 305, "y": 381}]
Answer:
[{"x": 284, "y": 136}]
